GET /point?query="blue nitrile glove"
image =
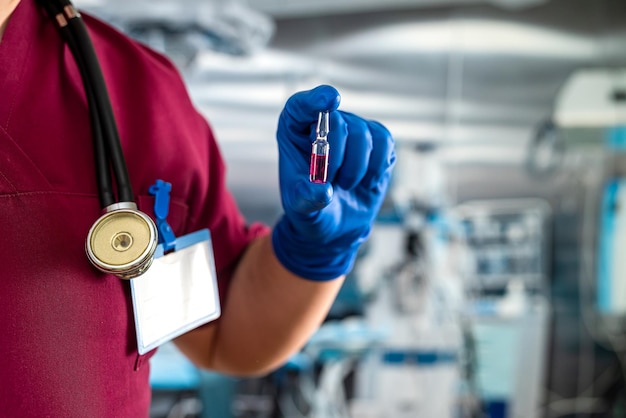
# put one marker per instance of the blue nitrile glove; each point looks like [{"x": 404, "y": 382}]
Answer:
[{"x": 324, "y": 224}]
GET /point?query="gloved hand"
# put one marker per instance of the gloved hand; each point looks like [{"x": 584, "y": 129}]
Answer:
[{"x": 323, "y": 225}]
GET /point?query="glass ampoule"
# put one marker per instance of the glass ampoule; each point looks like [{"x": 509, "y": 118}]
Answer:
[{"x": 318, "y": 170}]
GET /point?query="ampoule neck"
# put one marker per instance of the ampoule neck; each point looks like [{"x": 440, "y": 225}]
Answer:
[{"x": 323, "y": 125}]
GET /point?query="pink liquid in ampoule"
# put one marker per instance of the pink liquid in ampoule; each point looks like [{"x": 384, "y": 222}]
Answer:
[{"x": 319, "y": 168}]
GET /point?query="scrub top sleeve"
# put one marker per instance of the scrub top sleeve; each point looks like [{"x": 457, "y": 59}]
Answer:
[{"x": 213, "y": 206}]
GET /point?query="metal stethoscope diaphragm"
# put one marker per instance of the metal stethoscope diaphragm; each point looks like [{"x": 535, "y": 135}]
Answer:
[{"x": 122, "y": 241}]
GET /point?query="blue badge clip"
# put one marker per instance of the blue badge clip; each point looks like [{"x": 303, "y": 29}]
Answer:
[{"x": 161, "y": 191}]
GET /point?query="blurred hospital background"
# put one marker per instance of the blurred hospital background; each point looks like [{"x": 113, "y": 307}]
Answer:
[{"x": 494, "y": 282}]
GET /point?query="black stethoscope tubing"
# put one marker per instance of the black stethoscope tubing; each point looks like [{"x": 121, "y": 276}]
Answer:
[
  {"x": 123, "y": 240},
  {"x": 108, "y": 153}
]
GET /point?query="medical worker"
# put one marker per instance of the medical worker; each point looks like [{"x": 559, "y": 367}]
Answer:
[{"x": 67, "y": 336}]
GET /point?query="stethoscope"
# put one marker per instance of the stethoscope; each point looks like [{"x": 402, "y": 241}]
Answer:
[{"x": 123, "y": 240}]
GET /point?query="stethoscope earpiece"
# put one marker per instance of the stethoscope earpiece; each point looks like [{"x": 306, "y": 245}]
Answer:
[{"x": 122, "y": 241}]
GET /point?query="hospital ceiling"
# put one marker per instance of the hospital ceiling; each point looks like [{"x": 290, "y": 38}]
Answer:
[{"x": 475, "y": 77}]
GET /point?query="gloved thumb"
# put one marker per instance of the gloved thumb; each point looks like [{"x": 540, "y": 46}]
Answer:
[{"x": 305, "y": 197}]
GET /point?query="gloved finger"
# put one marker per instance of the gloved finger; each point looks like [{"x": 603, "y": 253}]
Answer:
[
  {"x": 358, "y": 147},
  {"x": 382, "y": 157},
  {"x": 301, "y": 111},
  {"x": 337, "y": 138},
  {"x": 306, "y": 197}
]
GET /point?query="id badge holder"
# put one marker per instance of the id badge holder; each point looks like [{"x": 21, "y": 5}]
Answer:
[{"x": 179, "y": 291}]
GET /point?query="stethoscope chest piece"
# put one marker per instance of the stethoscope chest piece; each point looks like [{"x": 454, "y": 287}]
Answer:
[{"x": 122, "y": 241}]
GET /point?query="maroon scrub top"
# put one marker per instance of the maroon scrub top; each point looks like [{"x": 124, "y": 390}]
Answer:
[{"x": 67, "y": 338}]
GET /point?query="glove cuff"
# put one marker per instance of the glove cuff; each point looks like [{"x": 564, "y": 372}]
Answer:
[{"x": 311, "y": 260}]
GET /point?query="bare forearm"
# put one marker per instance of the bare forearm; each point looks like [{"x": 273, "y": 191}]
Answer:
[{"x": 270, "y": 313}]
